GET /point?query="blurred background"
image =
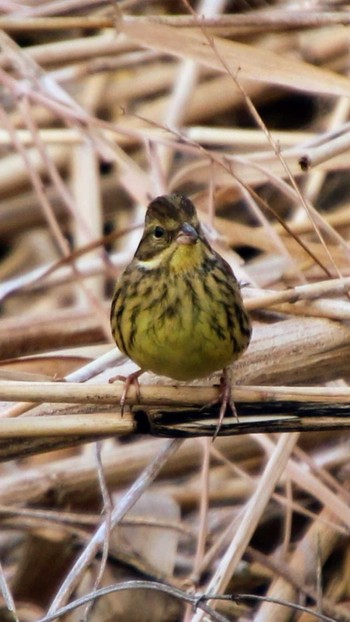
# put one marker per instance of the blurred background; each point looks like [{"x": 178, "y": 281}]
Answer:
[{"x": 244, "y": 106}]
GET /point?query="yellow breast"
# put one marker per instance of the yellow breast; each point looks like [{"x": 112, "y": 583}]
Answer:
[{"x": 183, "y": 326}]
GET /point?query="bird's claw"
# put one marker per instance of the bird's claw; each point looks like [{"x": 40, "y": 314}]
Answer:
[
  {"x": 128, "y": 380},
  {"x": 225, "y": 399}
]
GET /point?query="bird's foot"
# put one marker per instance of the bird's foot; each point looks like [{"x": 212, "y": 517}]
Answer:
[
  {"x": 225, "y": 399},
  {"x": 128, "y": 380}
]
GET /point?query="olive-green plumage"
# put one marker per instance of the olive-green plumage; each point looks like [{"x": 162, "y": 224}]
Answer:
[{"x": 177, "y": 309}]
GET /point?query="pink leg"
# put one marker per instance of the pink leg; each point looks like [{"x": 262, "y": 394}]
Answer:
[
  {"x": 225, "y": 398},
  {"x": 128, "y": 380}
]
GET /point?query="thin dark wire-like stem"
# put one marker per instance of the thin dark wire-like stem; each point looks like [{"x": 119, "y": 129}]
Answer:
[{"x": 197, "y": 601}]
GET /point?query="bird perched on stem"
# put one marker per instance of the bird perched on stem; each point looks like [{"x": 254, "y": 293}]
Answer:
[{"x": 177, "y": 309}]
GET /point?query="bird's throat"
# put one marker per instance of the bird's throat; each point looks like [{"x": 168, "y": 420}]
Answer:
[
  {"x": 176, "y": 258},
  {"x": 186, "y": 257}
]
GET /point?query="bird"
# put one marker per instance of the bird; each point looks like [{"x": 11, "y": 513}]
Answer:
[{"x": 177, "y": 309}]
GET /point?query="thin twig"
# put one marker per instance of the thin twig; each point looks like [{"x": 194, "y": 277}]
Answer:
[{"x": 124, "y": 505}]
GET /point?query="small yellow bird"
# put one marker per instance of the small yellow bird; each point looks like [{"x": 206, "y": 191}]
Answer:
[{"x": 177, "y": 309}]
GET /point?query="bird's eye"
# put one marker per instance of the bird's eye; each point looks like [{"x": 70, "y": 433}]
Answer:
[{"x": 159, "y": 232}]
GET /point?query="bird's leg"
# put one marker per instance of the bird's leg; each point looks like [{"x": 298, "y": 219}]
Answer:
[
  {"x": 128, "y": 380},
  {"x": 225, "y": 398}
]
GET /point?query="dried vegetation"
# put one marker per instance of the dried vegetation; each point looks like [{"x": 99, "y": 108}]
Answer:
[{"x": 247, "y": 111}]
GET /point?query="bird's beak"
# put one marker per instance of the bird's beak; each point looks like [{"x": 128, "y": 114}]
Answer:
[{"x": 187, "y": 235}]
